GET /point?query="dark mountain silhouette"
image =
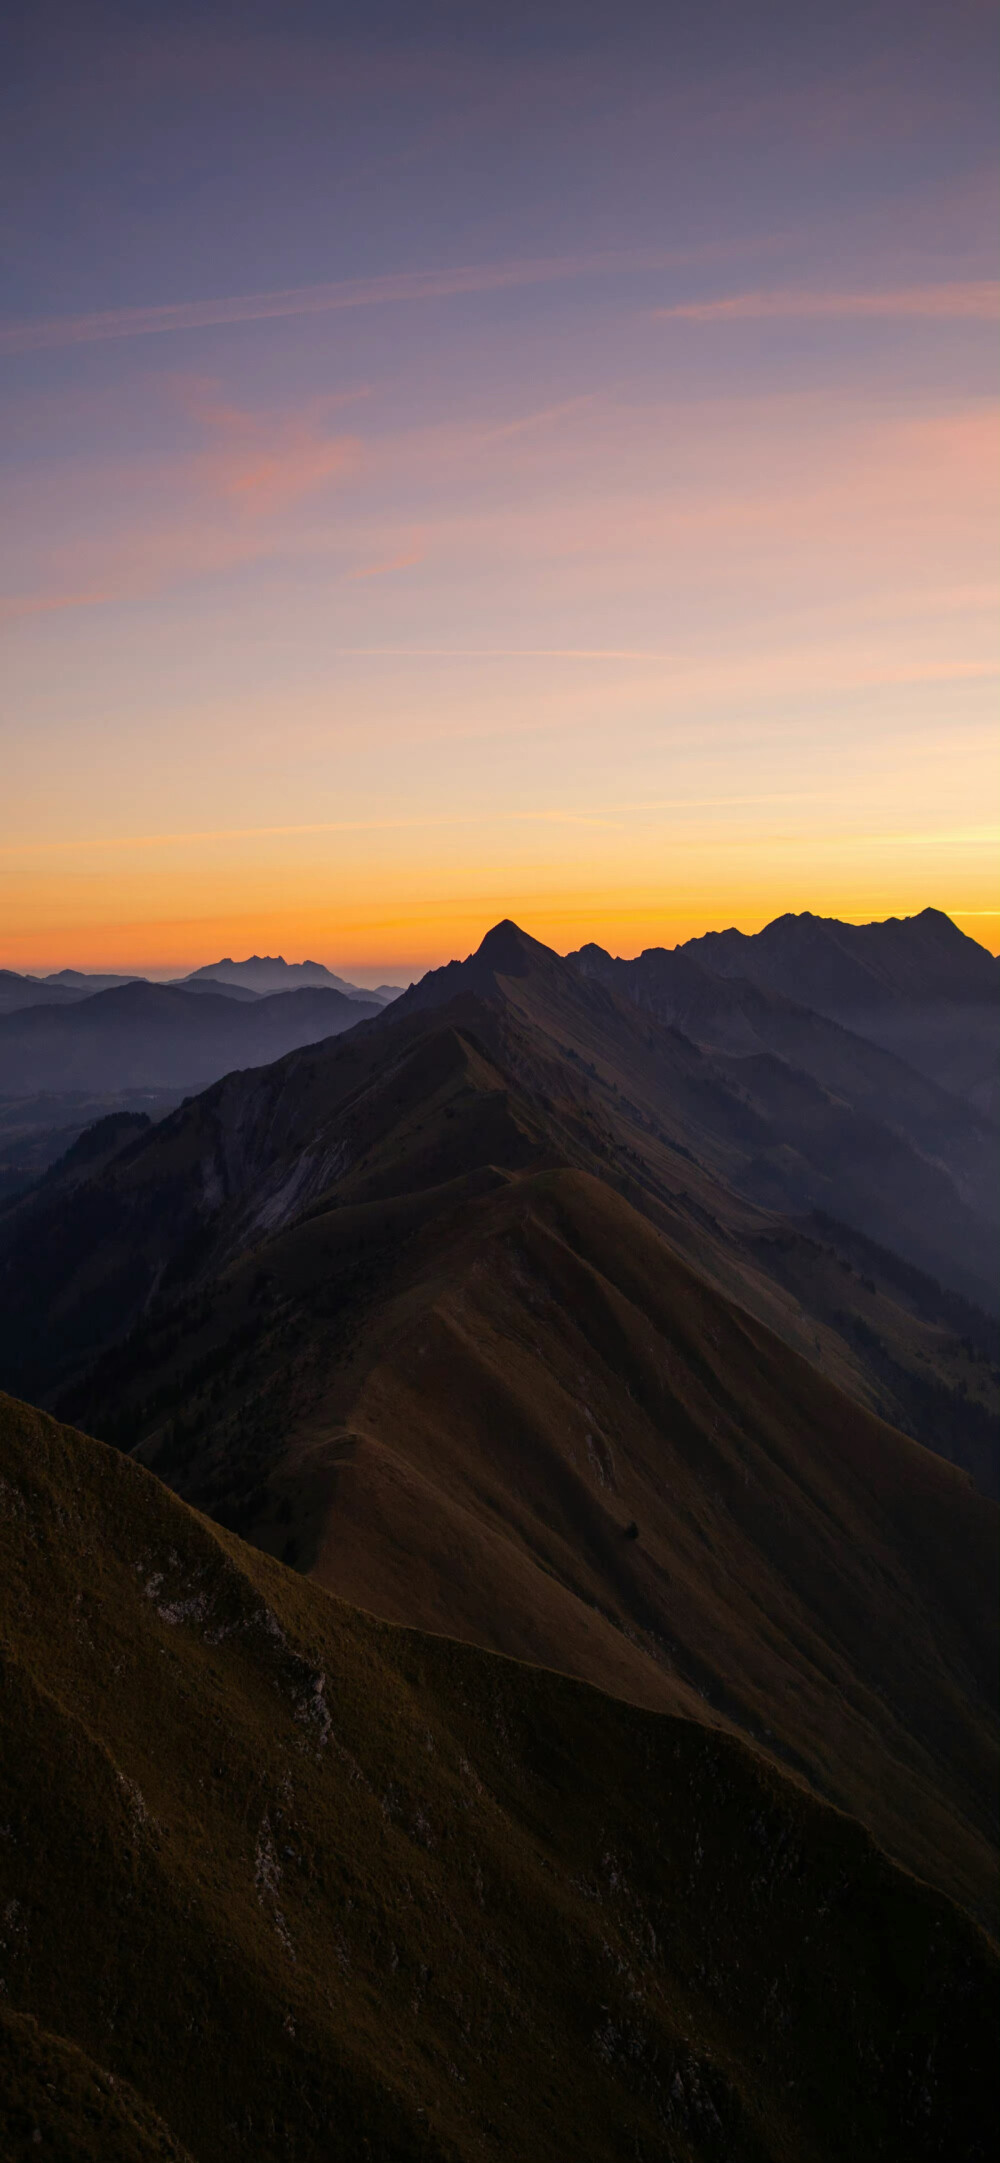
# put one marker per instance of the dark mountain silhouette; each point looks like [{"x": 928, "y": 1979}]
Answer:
[
  {"x": 277, "y": 1878},
  {"x": 916, "y": 985},
  {"x": 506, "y": 952},
  {"x": 851, "y": 966},
  {"x": 731, "y": 1016},
  {"x": 463, "y": 1314},
  {"x": 96, "y": 1146},
  {"x": 810, "y": 1117},
  {"x": 37, "y": 1130},
  {"x": 153, "y": 1035},
  {"x": 520, "y": 1315}
]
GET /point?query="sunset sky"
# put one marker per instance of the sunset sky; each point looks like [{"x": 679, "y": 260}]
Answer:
[{"x": 455, "y": 469}]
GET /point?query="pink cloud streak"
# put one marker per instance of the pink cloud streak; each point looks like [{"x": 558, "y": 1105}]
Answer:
[{"x": 975, "y": 302}]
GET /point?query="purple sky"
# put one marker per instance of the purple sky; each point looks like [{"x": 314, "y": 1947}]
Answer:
[{"x": 454, "y": 469}]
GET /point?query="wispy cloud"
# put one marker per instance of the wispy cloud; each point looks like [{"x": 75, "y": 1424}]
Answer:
[
  {"x": 212, "y": 512},
  {"x": 15, "y": 606},
  {"x": 425, "y": 820},
  {"x": 262, "y": 464},
  {"x": 975, "y": 301},
  {"x": 403, "y": 560},
  {"x": 398, "y": 286}
]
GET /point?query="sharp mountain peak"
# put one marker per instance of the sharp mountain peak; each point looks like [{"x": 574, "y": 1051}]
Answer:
[{"x": 509, "y": 951}]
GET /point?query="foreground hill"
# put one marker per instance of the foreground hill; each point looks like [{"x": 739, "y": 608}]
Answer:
[
  {"x": 277, "y": 1879},
  {"x": 154, "y": 1036},
  {"x": 515, "y": 1416}
]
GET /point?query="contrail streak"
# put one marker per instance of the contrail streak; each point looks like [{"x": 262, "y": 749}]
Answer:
[{"x": 303, "y": 300}]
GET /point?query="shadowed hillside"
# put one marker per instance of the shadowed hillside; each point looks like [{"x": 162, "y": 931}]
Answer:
[
  {"x": 916, "y": 985},
  {"x": 516, "y": 1417},
  {"x": 279, "y": 1879},
  {"x": 141, "y": 1036},
  {"x": 529, "y": 1064},
  {"x": 449, "y": 1314}
]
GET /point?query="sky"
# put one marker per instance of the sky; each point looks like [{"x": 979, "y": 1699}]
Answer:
[{"x": 460, "y": 463}]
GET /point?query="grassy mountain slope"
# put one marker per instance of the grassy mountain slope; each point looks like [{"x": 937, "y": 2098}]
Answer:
[
  {"x": 516, "y": 1416},
  {"x": 280, "y": 1880},
  {"x": 419, "y": 1313}
]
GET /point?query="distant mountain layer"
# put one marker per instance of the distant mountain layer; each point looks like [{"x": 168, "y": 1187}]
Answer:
[
  {"x": 250, "y": 979},
  {"x": 271, "y": 973},
  {"x": 156, "y": 1036},
  {"x": 278, "y": 1879},
  {"x": 17, "y": 992}
]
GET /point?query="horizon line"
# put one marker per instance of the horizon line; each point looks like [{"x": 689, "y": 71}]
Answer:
[{"x": 40, "y": 975}]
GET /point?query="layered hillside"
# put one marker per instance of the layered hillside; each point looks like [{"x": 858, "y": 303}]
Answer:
[
  {"x": 461, "y": 1314},
  {"x": 276, "y": 1878},
  {"x": 916, "y": 985},
  {"x": 412, "y": 1320},
  {"x": 514, "y": 1059},
  {"x": 142, "y": 1036},
  {"x": 746, "y": 1023},
  {"x": 513, "y": 1415}
]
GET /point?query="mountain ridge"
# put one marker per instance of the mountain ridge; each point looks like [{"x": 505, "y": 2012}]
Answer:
[
  {"x": 918, "y": 986},
  {"x": 444, "y": 1288}
]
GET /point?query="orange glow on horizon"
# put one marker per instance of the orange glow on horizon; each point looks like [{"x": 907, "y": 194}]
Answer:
[{"x": 399, "y": 945}]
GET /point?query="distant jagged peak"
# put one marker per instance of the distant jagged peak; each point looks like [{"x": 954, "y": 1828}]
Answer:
[{"x": 271, "y": 972}]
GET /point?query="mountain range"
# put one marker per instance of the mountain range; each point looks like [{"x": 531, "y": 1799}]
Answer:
[
  {"x": 623, "y": 1336},
  {"x": 915, "y": 985},
  {"x": 256, "y": 977}
]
